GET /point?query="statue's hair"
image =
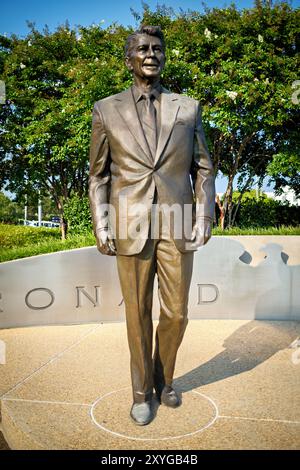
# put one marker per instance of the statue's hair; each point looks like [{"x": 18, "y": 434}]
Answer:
[{"x": 144, "y": 29}]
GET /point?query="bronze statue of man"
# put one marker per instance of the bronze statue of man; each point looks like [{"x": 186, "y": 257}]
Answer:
[{"x": 148, "y": 149}]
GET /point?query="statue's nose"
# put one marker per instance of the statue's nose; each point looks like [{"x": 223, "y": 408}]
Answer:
[{"x": 150, "y": 52}]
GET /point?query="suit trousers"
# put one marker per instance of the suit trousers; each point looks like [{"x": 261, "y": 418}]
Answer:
[{"x": 136, "y": 273}]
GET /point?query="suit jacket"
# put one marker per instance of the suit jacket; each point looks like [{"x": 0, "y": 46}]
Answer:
[{"x": 123, "y": 171}]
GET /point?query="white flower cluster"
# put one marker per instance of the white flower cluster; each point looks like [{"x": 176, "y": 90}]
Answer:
[
  {"x": 231, "y": 94},
  {"x": 207, "y": 33}
]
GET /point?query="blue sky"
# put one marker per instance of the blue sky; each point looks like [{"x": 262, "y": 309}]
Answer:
[{"x": 14, "y": 13}]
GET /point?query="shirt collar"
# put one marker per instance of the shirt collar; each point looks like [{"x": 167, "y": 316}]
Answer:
[{"x": 138, "y": 94}]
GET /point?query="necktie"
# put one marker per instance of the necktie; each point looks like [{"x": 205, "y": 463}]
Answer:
[{"x": 149, "y": 122}]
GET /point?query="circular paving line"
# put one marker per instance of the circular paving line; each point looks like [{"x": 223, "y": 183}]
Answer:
[{"x": 110, "y": 413}]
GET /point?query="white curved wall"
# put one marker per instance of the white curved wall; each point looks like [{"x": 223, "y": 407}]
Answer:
[{"x": 234, "y": 277}]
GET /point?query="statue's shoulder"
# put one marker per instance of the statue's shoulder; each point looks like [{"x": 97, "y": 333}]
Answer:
[
  {"x": 112, "y": 98},
  {"x": 184, "y": 98}
]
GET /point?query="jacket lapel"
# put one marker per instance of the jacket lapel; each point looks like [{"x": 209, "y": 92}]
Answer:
[
  {"x": 127, "y": 110},
  {"x": 169, "y": 110}
]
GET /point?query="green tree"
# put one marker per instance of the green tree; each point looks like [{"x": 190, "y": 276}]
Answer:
[
  {"x": 240, "y": 65},
  {"x": 52, "y": 81},
  {"x": 284, "y": 168},
  {"x": 78, "y": 214},
  {"x": 10, "y": 212}
]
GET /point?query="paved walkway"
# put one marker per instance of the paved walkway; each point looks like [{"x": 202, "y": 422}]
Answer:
[{"x": 68, "y": 387}]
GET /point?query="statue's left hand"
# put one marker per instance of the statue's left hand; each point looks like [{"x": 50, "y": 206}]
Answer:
[
  {"x": 201, "y": 232},
  {"x": 105, "y": 242}
]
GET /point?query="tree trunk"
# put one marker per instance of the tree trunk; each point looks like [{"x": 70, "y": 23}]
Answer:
[
  {"x": 227, "y": 205},
  {"x": 222, "y": 213},
  {"x": 63, "y": 221},
  {"x": 63, "y": 228},
  {"x": 228, "y": 195},
  {"x": 245, "y": 188}
]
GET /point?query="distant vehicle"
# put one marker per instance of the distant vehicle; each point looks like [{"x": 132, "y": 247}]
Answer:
[
  {"x": 44, "y": 223},
  {"x": 55, "y": 219},
  {"x": 31, "y": 223}
]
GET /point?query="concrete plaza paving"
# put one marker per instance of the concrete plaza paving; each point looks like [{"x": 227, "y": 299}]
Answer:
[{"x": 68, "y": 387}]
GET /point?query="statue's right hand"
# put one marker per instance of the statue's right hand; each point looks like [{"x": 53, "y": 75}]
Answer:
[{"x": 105, "y": 242}]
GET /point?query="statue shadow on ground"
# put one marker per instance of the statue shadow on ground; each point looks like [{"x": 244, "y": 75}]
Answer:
[
  {"x": 249, "y": 346},
  {"x": 272, "y": 288}
]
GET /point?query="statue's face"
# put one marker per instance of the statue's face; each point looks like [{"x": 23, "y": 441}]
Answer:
[{"x": 147, "y": 58}]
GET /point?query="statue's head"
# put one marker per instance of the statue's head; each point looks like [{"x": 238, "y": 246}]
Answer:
[{"x": 145, "y": 52}]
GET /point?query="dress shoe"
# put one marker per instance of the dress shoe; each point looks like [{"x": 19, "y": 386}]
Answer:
[
  {"x": 169, "y": 397},
  {"x": 142, "y": 413}
]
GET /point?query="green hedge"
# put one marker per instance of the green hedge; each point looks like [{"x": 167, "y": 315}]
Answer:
[
  {"x": 78, "y": 214},
  {"x": 253, "y": 213},
  {"x": 265, "y": 212},
  {"x": 12, "y": 236},
  {"x": 20, "y": 242}
]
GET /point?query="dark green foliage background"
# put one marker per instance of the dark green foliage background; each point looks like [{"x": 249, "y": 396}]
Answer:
[{"x": 240, "y": 64}]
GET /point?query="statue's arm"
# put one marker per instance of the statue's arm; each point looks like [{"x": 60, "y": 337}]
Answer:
[
  {"x": 99, "y": 183},
  {"x": 202, "y": 173}
]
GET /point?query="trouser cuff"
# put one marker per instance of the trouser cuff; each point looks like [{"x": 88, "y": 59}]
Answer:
[
  {"x": 169, "y": 381},
  {"x": 141, "y": 397}
]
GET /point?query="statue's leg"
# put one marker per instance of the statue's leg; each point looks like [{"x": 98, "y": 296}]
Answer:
[
  {"x": 174, "y": 271},
  {"x": 136, "y": 273}
]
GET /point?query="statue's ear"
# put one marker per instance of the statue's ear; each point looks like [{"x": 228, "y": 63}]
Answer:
[{"x": 128, "y": 63}]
